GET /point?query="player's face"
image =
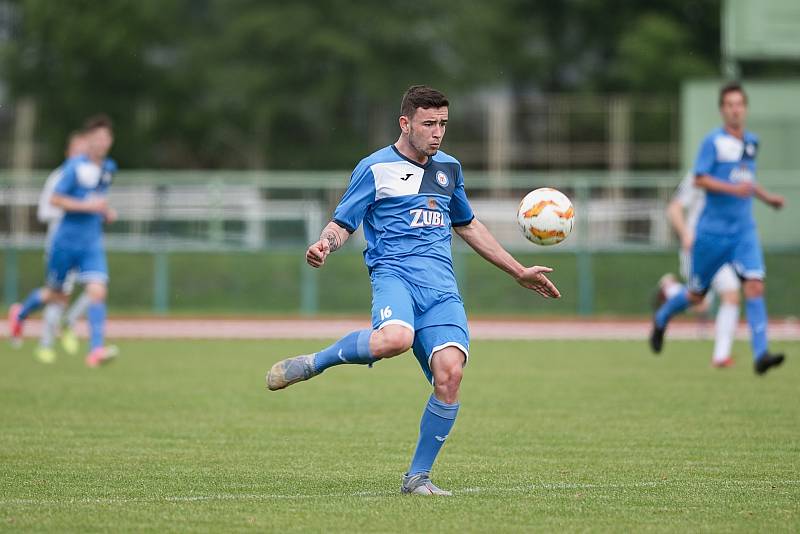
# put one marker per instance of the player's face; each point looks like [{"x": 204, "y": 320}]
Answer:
[
  {"x": 733, "y": 109},
  {"x": 426, "y": 130},
  {"x": 99, "y": 142}
]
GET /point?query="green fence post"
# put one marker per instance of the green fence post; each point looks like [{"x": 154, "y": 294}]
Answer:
[
  {"x": 11, "y": 278},
  {"x": 309, "y": 289},
  {"x": 584, "y": 252},
  {"x": 160, "y": 282}
]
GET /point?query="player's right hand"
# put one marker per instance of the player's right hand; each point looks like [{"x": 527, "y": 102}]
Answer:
[{"x": 317, "y": 252}]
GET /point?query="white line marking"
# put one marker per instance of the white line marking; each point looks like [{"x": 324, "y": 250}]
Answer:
[{"x": 544, "y": 486}]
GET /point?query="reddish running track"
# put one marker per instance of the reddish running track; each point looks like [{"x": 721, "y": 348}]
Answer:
[{"x": 157, "y": 328}]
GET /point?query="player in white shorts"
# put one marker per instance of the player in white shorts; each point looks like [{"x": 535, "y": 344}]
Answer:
[{"x": 683, "y": 212}]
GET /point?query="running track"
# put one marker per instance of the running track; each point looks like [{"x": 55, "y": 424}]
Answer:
[{"x": 157, "y": 328}]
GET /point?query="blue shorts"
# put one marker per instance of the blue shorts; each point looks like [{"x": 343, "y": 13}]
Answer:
[
  {"x": 437, "y": 318},
  {"x": 89, "y": 263},
  {"x": 710, "y": 252}
]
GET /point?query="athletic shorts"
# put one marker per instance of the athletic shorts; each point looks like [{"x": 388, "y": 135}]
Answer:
[
  {"x": 726, "y": 279},
  {"x": 90, "y": 265},
  {"x": 710, "y": 252},
  {"x": 437, "y": 318}
]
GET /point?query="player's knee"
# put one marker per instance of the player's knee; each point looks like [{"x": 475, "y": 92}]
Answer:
[
  {"x": 394, "y": 340},
  {"x": 97, "y": 292},
  {"x": 695, "y": 298},
  {"x": 753, "y": 289},
  {"x": 730, "y": 297}
]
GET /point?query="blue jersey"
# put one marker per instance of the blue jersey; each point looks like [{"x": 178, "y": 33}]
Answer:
[
  {"x": 731, "y": 160},
  {"x": 408, "y": 210},
  {"x": 81, "y": 178}
]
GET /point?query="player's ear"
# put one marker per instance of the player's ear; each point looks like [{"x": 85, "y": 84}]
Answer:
[{"x": 404, "y": 124}]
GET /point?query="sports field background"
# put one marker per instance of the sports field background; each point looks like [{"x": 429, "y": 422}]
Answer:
[
  {"x": 270, "y": 283},
  {"x": 552, "y": 435}
]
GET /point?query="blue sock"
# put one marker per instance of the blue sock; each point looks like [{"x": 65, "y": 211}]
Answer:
[
  {"x": 437, "y": 420},
  {"x": 32, "y": 303},
  {"x": 756, "y": 310},
  {"x": 672, "y": 307},
  {"x": 352, "y": 348},
  {"x": 97, "y": 324}
]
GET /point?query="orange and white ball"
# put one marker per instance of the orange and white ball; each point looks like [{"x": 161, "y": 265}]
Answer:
[{"x": 545, "y": 216}]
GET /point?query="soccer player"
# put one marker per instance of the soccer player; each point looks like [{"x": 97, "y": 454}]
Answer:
[
  {"x": 53, "y": 311},
  {"x": 409, "y": 196},
  {"x": 726, "y": 232},
  {"x": 683, "y": 213},
  {"x": 78, "y": 242}
]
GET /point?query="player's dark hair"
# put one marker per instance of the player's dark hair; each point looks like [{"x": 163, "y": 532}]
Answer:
[
  {"x": 731, "y": 87},
  {"x": 421, "y": 96},
  {"x": 101, "y": 120}
]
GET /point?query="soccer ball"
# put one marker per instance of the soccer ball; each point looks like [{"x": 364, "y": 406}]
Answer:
[{"x": 545, "y": 216}]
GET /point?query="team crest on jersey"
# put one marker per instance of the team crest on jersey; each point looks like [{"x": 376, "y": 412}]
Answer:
[
  {"x": 750, "y": 149},
  {"x": 441, "y": 179}
]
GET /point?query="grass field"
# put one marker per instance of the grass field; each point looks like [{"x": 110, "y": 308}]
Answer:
[{"x": 555, "y": 436}]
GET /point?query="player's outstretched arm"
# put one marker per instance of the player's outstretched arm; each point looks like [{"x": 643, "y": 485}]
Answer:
[
  {"x": 484, "y": 243},
  {"x": 332, "y": 238},
  {"x": 89, "y": 205},
  {"x": 709, "y": 183},
  {"x": 776, "y": 201}
]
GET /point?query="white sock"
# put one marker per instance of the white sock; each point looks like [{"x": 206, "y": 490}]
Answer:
[
  {"x": 727, "y": 320},
  {"x": 52, "y": 320},
  {"x": 78, "y": 309}
]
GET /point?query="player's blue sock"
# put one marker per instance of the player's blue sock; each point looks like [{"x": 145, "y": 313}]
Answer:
[
  {"x": 672, "y": 307},
  {"x": 32, "y": 303},
  {"x": 756, "y": 310},
  {"x": 97, "y": 324},
  {"x": 352, "y": 348},
  {"x": 437, "y": 420}
]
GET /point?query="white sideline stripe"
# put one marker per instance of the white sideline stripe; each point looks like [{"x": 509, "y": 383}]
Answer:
[
  {"x": 779, "y": 330},
  {"x": 502, "y": 490}
]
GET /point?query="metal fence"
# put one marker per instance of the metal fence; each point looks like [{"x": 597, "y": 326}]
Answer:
[{"x": 162, "y": 214}]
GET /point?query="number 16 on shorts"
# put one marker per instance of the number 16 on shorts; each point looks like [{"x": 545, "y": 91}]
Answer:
[{"x": 386, "y": 313}]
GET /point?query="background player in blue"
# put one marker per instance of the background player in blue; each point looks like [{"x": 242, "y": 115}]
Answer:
[
  {"x": 409, "y": 196},
  {"x": 78, "y": 242},
  {"x": 726, "y": 231}
]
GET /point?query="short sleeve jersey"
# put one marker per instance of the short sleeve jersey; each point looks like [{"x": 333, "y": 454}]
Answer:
[
  {"x": 407, "y": 210},
  {"x": 46, "y": 212},
  {"x": 82, "y": 178},
  {"x": 691, "y": 198},
  {"x": 729, "y": 159}
]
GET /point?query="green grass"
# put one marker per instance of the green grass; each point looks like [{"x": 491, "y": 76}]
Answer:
[{"x": 552, "y": 436}]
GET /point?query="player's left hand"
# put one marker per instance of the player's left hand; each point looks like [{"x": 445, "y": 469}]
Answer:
[
  {"x": 533, "y": 278},
  {"x": 776, "y": 201}
]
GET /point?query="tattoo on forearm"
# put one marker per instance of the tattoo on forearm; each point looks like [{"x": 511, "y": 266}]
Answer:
[{"x": 332, "y": 238}]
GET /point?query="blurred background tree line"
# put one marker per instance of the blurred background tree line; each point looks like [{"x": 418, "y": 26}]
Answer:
[{"x": 276, "y": 84}]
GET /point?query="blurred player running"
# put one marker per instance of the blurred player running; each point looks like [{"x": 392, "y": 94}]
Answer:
[
  {"x": 78, "y": 242},
  {"x": 691, "y": 199},
  {"x": 409, "y": 196},
  {"x": 54, "y": 311},
  {"x": 726, "y": 231}
]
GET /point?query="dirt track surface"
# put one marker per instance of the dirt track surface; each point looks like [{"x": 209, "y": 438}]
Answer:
[{"x": 161, "y": 328}]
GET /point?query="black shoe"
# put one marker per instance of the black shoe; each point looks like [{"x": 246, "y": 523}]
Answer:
[
  {"x": 766, "y": 361},
  {"x": 656, "y": 339}
]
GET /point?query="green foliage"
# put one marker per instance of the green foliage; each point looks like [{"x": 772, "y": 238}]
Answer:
[
  {"x": 552, "y": 436},
  {"x": 250, "y": 84}
]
